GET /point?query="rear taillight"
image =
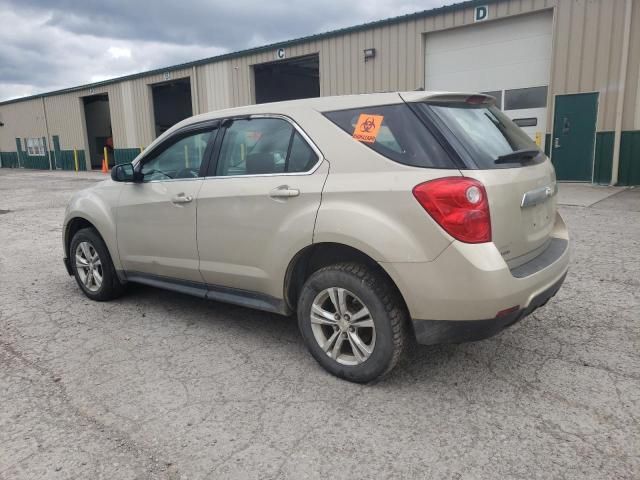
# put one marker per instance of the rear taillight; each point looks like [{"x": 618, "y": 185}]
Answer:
[{"x": 459, "y": 205}]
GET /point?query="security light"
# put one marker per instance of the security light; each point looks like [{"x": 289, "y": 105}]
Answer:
[{"x": 369, "y": 53}]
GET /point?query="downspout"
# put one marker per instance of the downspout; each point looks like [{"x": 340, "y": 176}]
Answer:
[
  {"x": 615, "y": 164},
  {"x": 46, "y": 126},
  {"x": 196, "y": 96}
]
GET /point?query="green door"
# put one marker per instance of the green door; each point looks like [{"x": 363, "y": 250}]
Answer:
[{"x": 574, "y": 136}]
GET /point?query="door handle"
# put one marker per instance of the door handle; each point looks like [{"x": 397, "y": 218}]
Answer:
[
  {"x": 178, "y": 199},
  {"x": 283, "y": 191},
  {"x": 556, "y": 142}
]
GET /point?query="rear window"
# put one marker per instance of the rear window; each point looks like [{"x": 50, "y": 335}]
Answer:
[
  {"x": 479, "y": 134},
  {"x": 394, "y": 131}
]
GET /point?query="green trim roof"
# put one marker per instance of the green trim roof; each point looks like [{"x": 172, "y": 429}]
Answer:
[{"x": 251, "y": 51}]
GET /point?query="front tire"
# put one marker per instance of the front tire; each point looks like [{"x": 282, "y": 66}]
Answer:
[
  {"x": 353, "y": 321},
  {"x": 92, "y": 266}
]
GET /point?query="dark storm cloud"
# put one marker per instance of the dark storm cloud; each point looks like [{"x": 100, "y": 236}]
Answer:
[
  {"x": 233, "y": 25},
  {"x": 47, "y": 46}
]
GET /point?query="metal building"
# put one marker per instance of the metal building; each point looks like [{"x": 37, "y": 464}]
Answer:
[{"x": 567, "y": 71}]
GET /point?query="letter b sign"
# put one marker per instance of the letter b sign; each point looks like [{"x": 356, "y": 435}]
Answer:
[{"x": 481, "y": 13}]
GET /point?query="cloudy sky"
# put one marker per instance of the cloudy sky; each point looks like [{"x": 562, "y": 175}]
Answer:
[{"x": 47, "y": 45}]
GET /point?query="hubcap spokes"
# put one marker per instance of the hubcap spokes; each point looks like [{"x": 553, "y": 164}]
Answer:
[
  {"x": 342, "y": 325},
  {"x": 89, "y": 266}
]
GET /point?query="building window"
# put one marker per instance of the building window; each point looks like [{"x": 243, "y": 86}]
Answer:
[
  {"x": 526, "y": 122},
  {"x": 521, "y": 98},
  {"x": 35, "y": 147}
]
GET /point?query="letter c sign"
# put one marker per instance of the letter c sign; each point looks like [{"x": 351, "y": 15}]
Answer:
[{"x": 481, "y": 13}]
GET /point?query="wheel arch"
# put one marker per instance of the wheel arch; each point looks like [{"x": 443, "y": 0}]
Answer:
[
  {"x": 73, "y": 226},
  {"x": 318, "y": 255},
  {"x": 77, "y": 223}
]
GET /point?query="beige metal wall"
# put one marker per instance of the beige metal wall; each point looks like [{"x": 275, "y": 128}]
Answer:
[
  {"x": 21, "y": 120},
  {"x": 588, "y": 42},
  {"x": 130, "y": 104},
  {"x": 64, "y": 116},
  {"x": 235, "y": 87},
  {"x": 214, "y": 86},
  {"x": 132, "y": 109},
  {"x": 586, "y": 57},
  {"x": 631, "y": 118}
]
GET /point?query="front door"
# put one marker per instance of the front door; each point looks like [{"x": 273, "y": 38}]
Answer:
[
  {"x": 574, "y": 134},
  {"x": 156, "y": 219},
  {"x": 258, "y": 205}
]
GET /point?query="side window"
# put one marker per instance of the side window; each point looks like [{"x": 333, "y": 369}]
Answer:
[
  {"x": 394, "y": 131},
  {"x": 180, "y": 159},
  {"x": 301, "y": 156},
  {"x": 263, "y": 146}
]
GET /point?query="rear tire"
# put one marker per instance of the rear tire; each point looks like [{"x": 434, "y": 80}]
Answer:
[
  {"x": 92, "y": 266},
  {"x": 353, "y": 321}
]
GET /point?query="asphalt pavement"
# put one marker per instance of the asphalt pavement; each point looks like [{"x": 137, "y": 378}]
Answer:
[{"x": 162, "y": 385}]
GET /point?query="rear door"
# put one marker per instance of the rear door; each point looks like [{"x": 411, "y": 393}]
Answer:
[
  {"x": 521, "y": 188},
  {"x": 258, "y": 203}
]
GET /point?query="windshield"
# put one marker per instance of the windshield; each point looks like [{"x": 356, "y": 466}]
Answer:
[{"x": 482, "y": 134}]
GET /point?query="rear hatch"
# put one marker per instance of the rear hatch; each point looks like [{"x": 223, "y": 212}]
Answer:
[{"x": 518, "y": 177}]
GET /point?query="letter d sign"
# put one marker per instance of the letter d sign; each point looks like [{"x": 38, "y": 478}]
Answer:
[{"x": 482, "y": 13}]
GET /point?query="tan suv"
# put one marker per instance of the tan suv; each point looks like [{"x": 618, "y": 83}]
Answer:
[{"x": 373, "y": 217}]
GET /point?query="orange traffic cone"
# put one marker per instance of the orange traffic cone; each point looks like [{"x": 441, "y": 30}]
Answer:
[{"x": 105, "y": 161}]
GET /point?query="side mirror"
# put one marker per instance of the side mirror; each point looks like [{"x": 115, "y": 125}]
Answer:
[{"x": 124, "y": 172}]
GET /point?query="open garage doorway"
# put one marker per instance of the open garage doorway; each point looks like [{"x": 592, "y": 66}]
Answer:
[
  {"x": 287, "y": 79},
  {"x": 98, "y": 119},
  {"x": 171, "y": 103}
]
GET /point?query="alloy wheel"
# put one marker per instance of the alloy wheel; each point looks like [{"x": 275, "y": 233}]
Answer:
[
  {"x": 343, "y": 326},
  {"x": 89, "y": 266}
]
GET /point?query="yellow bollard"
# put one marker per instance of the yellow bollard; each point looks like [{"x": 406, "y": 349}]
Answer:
[
  {"x": 75, "y": 158},
  {"x": 538, "y": 139},
  {"x": 106, "y": 158}
]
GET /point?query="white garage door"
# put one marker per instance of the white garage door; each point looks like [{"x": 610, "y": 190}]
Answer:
[{"x": 509, "y": 58}]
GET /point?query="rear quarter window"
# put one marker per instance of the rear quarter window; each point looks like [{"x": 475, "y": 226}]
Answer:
[{"x": 395, "y": 132}]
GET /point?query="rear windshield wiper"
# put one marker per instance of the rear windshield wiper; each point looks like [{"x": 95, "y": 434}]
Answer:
[{"x": 524, "y": 154}]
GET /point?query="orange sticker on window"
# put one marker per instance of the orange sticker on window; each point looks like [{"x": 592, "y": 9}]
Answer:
[{"x": 367, "y": 127}]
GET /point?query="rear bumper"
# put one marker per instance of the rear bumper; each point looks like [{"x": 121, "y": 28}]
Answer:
[
  {"x": 432, "y": 332},
  {"x": 458, "y": 296}
]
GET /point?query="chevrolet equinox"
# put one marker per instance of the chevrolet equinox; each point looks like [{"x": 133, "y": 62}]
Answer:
[{"x": 378, "y": 219}]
